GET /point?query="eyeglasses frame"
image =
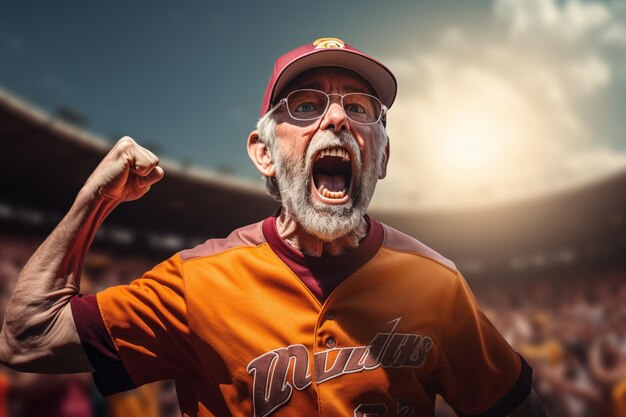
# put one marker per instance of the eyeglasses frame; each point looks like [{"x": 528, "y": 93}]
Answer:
[{"x": 284, "y": 100}]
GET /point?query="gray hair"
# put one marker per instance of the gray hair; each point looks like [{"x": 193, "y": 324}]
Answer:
[{"x": 266, "y": 126}]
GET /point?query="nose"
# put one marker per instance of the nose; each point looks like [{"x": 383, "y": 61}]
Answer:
[{"x": 335, "y": 118}]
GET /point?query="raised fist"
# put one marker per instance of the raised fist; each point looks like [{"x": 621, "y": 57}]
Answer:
[{"x": 126, "y": 172}]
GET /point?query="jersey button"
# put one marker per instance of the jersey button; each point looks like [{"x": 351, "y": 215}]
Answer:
[
  {"x": 330, "y": 315},
  {"x": 330, "y": 343}
]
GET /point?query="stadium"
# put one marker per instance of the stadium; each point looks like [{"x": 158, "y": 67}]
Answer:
[{"x": 548, "y": 270}]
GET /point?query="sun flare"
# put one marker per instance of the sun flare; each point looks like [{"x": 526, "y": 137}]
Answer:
[{"x": 472, "y": 141}]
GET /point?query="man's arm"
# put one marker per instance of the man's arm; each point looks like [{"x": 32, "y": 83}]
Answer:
[
  {"x": 39, "y": 334},
  {"x": 531, "y": 407}
]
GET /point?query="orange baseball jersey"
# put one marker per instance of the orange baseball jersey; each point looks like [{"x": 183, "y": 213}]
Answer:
[{"x": 248, "y": 326}]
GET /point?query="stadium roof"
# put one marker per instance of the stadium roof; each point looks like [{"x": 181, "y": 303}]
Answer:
[{"x": 44, "y": 162}]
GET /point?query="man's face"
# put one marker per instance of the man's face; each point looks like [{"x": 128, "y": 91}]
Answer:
[{"x": 327, "y": 169}]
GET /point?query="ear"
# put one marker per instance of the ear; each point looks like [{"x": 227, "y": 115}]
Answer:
[
  {"x": 385, "y": 160},
  {"x": 260, "y": 155}
]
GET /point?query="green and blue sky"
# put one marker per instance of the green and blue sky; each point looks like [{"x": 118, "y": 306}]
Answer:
[{"x": 498, "y": 99}]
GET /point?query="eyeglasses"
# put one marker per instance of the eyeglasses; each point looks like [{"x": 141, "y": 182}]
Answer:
[{"x": 308, "y": 105}]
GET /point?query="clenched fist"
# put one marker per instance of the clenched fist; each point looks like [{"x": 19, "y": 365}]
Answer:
[{"x": 126, "y": 172}]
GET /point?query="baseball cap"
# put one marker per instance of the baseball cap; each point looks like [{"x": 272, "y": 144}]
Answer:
[{"x": 329, "y": 52}]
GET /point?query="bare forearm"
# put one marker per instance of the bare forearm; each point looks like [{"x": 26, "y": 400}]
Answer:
[
  {"x": 55, "y": 267},
  {"x": 46, "y": 284}
]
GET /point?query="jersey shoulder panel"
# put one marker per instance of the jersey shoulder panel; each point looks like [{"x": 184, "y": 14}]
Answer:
[
  {"x": 399, "y": 241},
  {"x": 247, "y": 236}
]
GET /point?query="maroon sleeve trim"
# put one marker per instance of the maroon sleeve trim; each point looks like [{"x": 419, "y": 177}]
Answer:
[
  {"x": 512, "y": 399},
  {"x": 110, "y": 375}
]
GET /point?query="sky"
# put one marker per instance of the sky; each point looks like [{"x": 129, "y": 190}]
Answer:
[{"x": 497, "y": 99}]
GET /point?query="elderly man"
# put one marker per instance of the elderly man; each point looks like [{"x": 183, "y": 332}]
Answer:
[{"x": 317, "y": 310}]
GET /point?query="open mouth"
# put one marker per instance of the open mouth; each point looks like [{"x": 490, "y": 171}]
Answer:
[{"x": 332, "y": 175}]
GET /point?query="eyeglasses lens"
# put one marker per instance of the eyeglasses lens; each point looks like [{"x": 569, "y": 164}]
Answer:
[
  {"x": 306, "y": 104},
  {"x": 361, "y": 108}
]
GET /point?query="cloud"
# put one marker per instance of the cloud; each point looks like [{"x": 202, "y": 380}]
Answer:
[
  {"x": 507, "y": 117},
  {"x": 614, "y": 34},
  {"x": 569, "y": 20},
  {"x": 453, "y": 36},
  {"x": 602, "y": 161},
  {"x": 590, "y": 73},
  {"x": 587, "y": 37}
]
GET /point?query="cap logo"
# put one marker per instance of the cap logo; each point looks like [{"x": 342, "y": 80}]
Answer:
[{"x": 323, "y": 43}]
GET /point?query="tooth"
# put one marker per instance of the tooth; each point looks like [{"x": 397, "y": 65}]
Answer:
[
  {"x": 326, "y": 193},
  {"x": 333, "y": 152},
  {"x": 321, "y": 189}
]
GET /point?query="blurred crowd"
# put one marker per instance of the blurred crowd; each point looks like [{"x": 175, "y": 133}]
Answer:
[{"x": 571, "y": 330}]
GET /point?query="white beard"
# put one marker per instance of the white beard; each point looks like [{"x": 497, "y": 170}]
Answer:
[{"x": 326, "y": 221}]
